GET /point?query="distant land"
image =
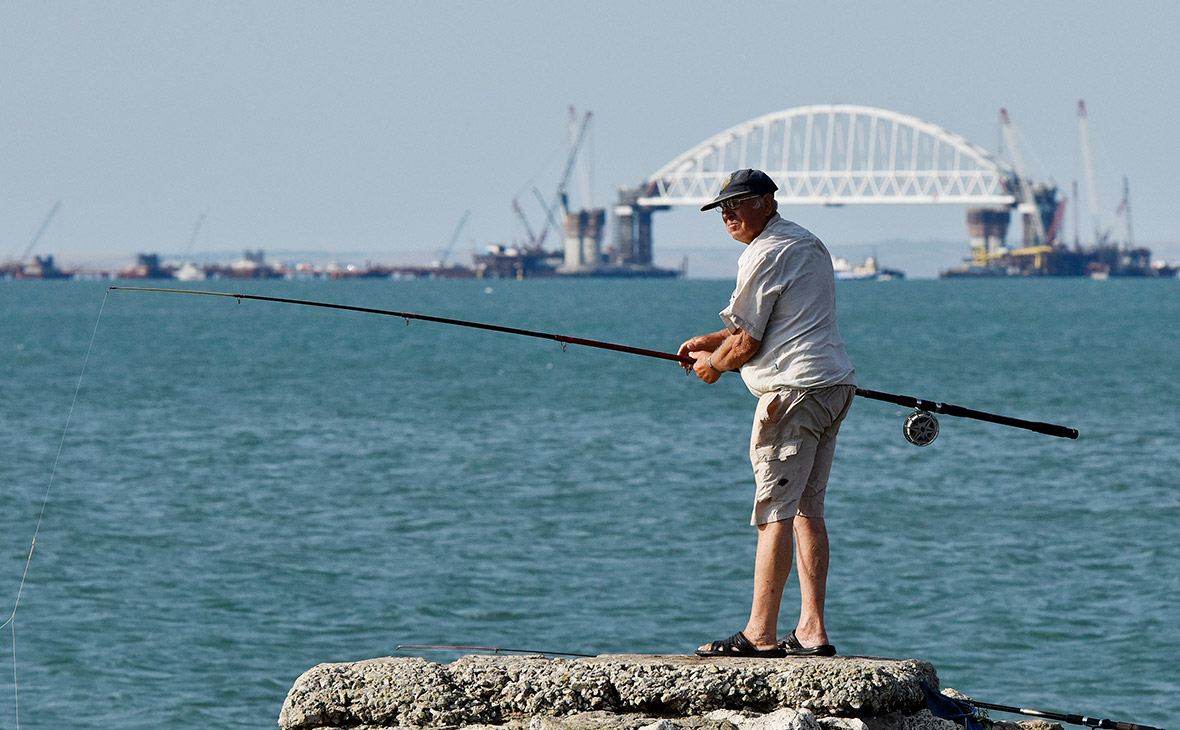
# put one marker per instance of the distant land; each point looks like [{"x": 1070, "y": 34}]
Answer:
[{"x": 917, "y": 259}]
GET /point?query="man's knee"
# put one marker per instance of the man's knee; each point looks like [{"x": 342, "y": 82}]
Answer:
[
  {"x": 810, "y": 523},
  {"x": 776, "y": 525}
]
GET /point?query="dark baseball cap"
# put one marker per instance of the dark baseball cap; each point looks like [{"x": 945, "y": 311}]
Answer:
[{"x": 741, "y": 183}]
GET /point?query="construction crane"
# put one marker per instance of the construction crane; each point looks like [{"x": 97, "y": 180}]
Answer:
[
  {"x": 550, "y": 220},
  {"x": 192, "y": 239},
  {"x": 1100, "y": 236},
  {"x": 1028, "y": 203},
  {"x": 446, "y": 254},
  {"x": 40, "y": 232},
  {"x": 569, "y": 163},
  {"x": 534, "y": 243},
  {"x": 561, "y": 198},
  {"x": 1124, "y": 209}
]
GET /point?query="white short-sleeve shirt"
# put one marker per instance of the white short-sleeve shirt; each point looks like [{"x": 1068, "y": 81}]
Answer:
[{"x": 786, "y": 298}]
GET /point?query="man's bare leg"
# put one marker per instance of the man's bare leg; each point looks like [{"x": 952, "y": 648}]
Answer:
[
  {"x": 811, "y": 533},
  {"x": 772, "y": 566}
]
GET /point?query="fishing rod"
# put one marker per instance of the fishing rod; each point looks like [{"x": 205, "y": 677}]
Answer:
[
  {"x": 563, "y": 339},
  {"x": 494, "y": 650},
  {"x": 923, "y": 426},
  {"x": 920, "y": 428},
  {"x": 963, "y": 711},
  {"x": 1062, "y": 717}
]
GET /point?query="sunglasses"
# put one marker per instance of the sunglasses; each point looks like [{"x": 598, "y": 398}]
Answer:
[{"x": 733, "y": 203}]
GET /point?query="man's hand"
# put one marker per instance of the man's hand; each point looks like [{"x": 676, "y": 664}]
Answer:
[
  {"x": 731, "y": 348},
  {"x": 694, "y": 343},
  {"x": 702, "y": 368},
  {"x": 687, "y": 348},
  {"x": 707, "y": 343}
]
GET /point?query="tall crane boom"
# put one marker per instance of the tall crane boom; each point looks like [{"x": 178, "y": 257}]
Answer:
[
  {"x": 192, "y": 238},
  {"x": 534, "y": 241},
  {"x": 560, "y": 198},
  {"x": 40, "y": 232},
  {"x": 1125, "y": 210},
  {"x": 454, "y": 237},
  {"x": 1028, "y": 200},
  {"x": 550, "y": 221},
  {"x": 569, "y": 163},
  {"x": 1088, "y": 163}
]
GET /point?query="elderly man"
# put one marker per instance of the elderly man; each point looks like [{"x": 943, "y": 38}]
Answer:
[{"x": 781, "y": 334}]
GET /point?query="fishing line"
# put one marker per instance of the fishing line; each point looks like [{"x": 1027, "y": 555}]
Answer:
[
  {"x": 563, "y": 339},
  {"x": 920, "y": 429},
  {"x": 11, "y": 620}
]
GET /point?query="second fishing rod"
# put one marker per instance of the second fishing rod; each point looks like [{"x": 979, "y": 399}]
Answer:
[{"x": 920, "y": 428}]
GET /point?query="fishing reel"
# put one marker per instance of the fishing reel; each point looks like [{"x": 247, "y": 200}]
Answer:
[{"x": 920, "y": 428}]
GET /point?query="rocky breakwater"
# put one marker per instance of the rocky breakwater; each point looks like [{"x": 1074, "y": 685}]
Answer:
[{"x": 612, "y": 692}]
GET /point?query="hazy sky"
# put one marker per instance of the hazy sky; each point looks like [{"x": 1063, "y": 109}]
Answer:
[{"x": 368, "y": 128}]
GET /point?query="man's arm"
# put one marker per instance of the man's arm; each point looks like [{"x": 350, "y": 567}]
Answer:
[
  {"x": 707, "y": 342},
  {"x": 728, "y": 351}
]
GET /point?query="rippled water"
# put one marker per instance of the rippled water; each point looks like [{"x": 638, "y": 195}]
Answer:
[{"x": 248, "y": 489}]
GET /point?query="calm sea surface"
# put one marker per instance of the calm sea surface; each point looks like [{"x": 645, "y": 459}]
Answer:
[{"x": 248, "y": 489}]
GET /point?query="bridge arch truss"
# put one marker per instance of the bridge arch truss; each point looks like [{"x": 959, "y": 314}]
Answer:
[{"x": 837, "y": 154}]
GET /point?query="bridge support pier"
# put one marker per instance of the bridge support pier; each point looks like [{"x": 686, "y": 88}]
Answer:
[
  {"x": 988, "y": 228},
  {"x": 633, "y": 229},
  {"x": 583, "y": 239}
]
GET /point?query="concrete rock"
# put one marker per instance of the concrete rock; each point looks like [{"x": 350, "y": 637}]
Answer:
[
  {"x": 627, "y": 692},
  {"x": 1037, "y": 725},
  {"x": 923, "y": 720},
  {"x": 784, "y": 719}
]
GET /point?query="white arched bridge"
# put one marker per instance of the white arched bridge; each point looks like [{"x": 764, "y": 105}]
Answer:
[
  {"x": 836, "y": 154},
  {"x": 833, "y": 154}
]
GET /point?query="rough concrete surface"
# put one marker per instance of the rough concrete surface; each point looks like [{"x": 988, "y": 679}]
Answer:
[{"x": 614, "y": 692}]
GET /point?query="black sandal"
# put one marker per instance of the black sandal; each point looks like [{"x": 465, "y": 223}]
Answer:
[
  {"x": 792, "y": 647},
  {"x": 739, "y": 645}
]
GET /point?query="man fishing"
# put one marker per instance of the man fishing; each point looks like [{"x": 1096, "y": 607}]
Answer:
[{"x": 781, "y": 334}]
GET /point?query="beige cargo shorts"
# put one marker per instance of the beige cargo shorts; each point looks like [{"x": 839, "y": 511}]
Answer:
[{"x": 791, "y": 449}]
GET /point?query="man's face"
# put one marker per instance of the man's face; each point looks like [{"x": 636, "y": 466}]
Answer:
[{"x": 743, "y": 221}]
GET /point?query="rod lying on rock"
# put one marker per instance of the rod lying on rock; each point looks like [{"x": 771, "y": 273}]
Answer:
[
  {"x": 493, "y": 649},
  {"x": 1063, "y": 717},
  {"x": 1074, "y": 719},
  {"x": 918, "y": 431},
  {"x": 961, "y": 709}
]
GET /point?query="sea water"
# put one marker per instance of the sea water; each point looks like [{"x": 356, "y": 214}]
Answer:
[{"x": 247, "y": 489}]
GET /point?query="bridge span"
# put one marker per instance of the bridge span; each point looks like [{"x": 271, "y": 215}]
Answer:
[
  {"x": 829, "y": 154},
  {"x": 837, "y": 154}
]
